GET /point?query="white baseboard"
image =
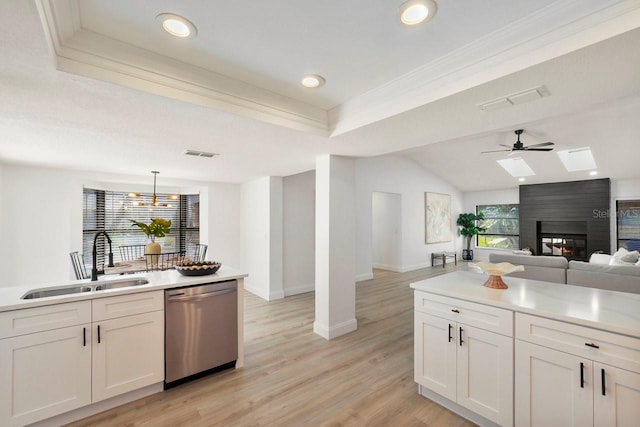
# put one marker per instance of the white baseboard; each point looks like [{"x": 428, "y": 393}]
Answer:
[
  {"x": 364, "y": 276},
  {"x": 335, "y": 331},
  {"x": 270, "y": 296},
  {"x": 299, "y": 289},
  {"x": 415, "y": 267},
  {"x": 387, "y": 267}
]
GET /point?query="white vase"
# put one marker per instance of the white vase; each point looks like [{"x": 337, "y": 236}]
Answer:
[{"x": 154, "y": 249}]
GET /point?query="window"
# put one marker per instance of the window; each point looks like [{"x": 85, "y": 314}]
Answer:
[
  {"x": 113, "y": 211},
  {"x": 628, "y": 223},
  {"x": 502, "y": 223}
]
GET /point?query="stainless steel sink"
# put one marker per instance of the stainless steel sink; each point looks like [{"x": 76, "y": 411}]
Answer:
[
  {"x": 52, "y": 292},
  {"x": 87, "y": 287},
  {"x": 115, "y": 284}
]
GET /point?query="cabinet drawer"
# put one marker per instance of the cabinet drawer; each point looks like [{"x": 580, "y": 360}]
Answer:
[
  {"x": 607, "y": 347},
  {"x": 38, "y": 319},
  {"x": 127, "y": 305},
  {"x": 481, "y": 316}
]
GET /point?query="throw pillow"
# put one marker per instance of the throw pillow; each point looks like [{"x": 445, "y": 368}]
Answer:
[{"x": 624, "y": 257}]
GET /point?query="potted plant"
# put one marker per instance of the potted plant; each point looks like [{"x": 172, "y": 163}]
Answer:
[
  {"x": 158, "y": 227},
  {"x": 469, "y": 229}
]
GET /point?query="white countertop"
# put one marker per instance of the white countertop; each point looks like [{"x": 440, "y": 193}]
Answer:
[
  {"x": 10, "y": 297},
  {"x": 607, "y": 310}
]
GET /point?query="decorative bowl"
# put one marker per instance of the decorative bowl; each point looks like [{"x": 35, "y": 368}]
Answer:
[
  {"x": 197, "y": 268},
  {"x": 496, "y": 271}
]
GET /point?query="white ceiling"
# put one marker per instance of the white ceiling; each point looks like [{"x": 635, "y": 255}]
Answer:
[{"x": 389, "y": 88}]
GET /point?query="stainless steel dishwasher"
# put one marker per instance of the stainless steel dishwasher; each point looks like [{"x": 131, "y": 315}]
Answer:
[{"x": 201, "y": 330}]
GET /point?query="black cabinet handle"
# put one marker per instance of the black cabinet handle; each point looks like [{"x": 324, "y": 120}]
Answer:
[
  {"x": 581, "y": 375},
  {"x": 450, "y": 328},
  {"x": 98, "y": 334},
  {"x": 84, "y": 337},
  {"x": 461, "y": 340},
  {"x": 455, "y": 310},
  {"x": 604, "y": 389},
  {"x": 592, "y": 345}
]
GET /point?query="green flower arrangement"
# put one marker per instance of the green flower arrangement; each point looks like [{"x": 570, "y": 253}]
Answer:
[{"x": 158, "y": 227}]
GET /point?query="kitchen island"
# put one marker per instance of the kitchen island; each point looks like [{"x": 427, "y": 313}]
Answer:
[
  {"x": 537, "y": 353},
  {"x": 66, "y": 357}
]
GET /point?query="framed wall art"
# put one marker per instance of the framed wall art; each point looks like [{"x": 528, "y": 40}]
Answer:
[{"x": 437, "y": 217}]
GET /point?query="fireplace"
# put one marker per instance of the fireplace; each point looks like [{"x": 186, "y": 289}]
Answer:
[
  {"x": 572, "y": 247},
  {"x": 563, "y": 238}
]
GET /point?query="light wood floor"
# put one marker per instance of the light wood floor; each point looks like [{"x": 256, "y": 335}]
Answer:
[{"x": 293, "y": 377}]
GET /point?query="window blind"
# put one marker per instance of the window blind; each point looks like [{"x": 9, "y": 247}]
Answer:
[{"x": 112, "y": 212}]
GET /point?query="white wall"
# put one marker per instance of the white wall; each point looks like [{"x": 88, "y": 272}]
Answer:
[
  {"x": 299, "y": 219},
  {"x": 41, "y": 219},
  {"x": 396, "y": 174},
  {"x": 261, "y": 236},
  {"x": 386, "y": 221},
  {"x": 472, "y": 199},
  {"x": 624, "y": 189}
]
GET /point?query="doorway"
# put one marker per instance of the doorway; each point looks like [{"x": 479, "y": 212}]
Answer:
[{"x": 386, "y": 231}]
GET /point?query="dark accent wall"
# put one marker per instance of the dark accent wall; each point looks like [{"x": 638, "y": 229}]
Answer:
[{"x": 569, "y": 204}]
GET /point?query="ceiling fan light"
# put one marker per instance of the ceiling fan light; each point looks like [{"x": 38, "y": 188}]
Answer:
[{"x": 414, "y": 12}]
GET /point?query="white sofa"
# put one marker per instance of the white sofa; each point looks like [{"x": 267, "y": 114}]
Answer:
[
  {"x": 545, "y": 268},
  {"x": 595, "y": 274}
]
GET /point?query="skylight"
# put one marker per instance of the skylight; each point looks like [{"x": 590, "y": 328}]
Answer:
[
  {"x": 516, "y": 166},
  {"x": 577, "y": 159}
]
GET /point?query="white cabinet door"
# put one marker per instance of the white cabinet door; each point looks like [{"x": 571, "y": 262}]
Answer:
[
  {"x": 618, "y": 403},
  {"x": 48, "y": 372},
  {"x": 128, "y": 353},
  {"x": 552, "y": 388},
  {"x": 435, "y": 354},
  {"x": 485, "y": 374}
]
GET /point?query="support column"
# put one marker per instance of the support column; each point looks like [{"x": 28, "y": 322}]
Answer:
[{"x": 335, "y": 247}]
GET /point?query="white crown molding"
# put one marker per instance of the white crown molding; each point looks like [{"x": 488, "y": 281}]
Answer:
[
  {"x": 92, "y": 55},
  {"x": 539, "y": 37},
  {"x": 560, "y": 28}
]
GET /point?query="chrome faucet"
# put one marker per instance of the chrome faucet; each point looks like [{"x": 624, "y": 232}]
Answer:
[{"x": 94, "y": 268}]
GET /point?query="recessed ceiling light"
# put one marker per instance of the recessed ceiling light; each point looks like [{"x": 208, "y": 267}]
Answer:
[
  {"x": 414, "y": 12},
  {"x": 516, "y": 166},
  {"x": 578, "y": 159},
  {"x": 593, "y": 173},
  {"x": 521, "y": 179},
  {"x": 177, "y": 25},
  {"x": 312, "y": 80}
]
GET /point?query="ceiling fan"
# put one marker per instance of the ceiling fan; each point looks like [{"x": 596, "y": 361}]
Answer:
[{"x": 518, "y": 146}]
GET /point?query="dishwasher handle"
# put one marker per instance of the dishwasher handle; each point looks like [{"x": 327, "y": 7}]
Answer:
[{"x": 200, "y": 296}]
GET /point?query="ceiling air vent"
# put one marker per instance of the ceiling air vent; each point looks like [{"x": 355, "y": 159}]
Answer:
[
  {"x": 514, "y": 99},
  {"x": 200, "y": 153}
]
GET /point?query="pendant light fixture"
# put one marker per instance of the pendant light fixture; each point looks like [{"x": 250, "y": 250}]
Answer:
[{"x": 154, "y": 198}]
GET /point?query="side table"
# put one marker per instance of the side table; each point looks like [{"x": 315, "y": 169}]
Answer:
[{"x": 443, "y": 256}]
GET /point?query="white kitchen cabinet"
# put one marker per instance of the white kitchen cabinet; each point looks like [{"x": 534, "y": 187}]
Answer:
[
  {"x": 466, "y": 364},
  {"x": 44, "y": 373},
  {"x": 57, "y": 358},
  {"x": 574, "y": 387},
  {"x": 128, "y": 355},
  {"x": 548, "y": 391},
  {"x": 618, "y": 404}
]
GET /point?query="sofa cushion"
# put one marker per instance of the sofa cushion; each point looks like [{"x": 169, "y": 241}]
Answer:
[
  {"x": 621, "y": 278},
  {"x": 544, "y": 268},
  {"x": 602, "y": 259},
  {"x": 625, "y": 270},
  {"x": 540, "y": 261}
]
